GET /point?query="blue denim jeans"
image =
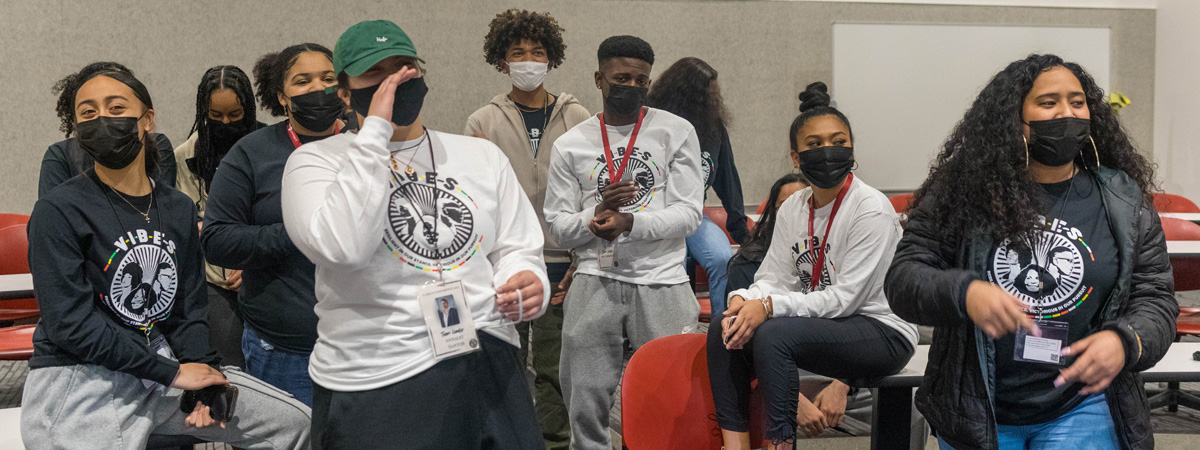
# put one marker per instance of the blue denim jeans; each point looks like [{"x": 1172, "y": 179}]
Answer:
[
  {"x": 709, "y": 247},
  {"x": 285, "y": 370},
  {"x": 1087, "y": 427}
]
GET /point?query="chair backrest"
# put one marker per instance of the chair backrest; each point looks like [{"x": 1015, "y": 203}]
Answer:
[
  {"x": 1186, "y": 270},
  {"x": 901, "y": 202},
  {"x": 13, "y": 219},
  {"x": 14, "y": 250},
  {"x": 763, "y": 206},
  {"x": 1172, "y": 203},
  {"x": 666, "y": 398}
]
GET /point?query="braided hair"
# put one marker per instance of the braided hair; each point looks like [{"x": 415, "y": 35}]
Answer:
[{"x": 215, "y": 79}]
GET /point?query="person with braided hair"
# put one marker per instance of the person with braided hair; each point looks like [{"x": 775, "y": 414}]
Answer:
[{"x": 225, "y": 112}]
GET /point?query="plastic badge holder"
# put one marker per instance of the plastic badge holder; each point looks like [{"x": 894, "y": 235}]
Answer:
[{"x": 1044, "y": 349}]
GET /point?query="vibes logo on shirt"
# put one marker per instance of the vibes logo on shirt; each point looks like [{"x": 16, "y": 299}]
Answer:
[
  {"x": 708, "y": 166},
  {"x": 802, "y": 259},
  {"x": 431, "y": 219},
  {"x": 1046, "y": 275},
  {"x": 145, "y": 278},
  {"x": 642, "y": 170}
]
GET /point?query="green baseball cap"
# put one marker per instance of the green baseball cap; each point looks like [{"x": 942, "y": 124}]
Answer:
[{"x": 366, "y": 43}]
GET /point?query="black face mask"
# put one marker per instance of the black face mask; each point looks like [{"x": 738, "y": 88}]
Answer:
[
  {"x": 1055, "y": 142},
  {"x": 112, "y": 141},
  {"x": 410, "y": 96},
  {"x": 625, "y": 100},
  {"x": 825, "y": 167},
  {"x": 317, "y": 110},
  {"x": 222, "y": 136}
]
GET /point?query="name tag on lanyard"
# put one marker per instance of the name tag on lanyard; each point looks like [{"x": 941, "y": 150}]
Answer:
[
  {"x": 818, "y": 251},
  {"x": 160, "y": 347},
  {"x": 448, "y": 319}
]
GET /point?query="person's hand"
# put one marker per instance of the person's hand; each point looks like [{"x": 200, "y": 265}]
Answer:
[
  {"x": 750, "y": 314},
  {"x": 531, "y": 295},
  {"x": 563, "y": 287},
  {"x": 810, "y": 419},
  {"x": 997, "y": 312},
  {"x": 385, "y": 96},
  {"x": 610, "y": 224},
  {"x": 201, "y": 417},
  {"x": 832, "y": 402},
  {"x": 233, "y": 280},
  {"x": 1100, "y": 357},
  {"x": 196, "y": 376},
  {"x": 617, "y": 195}
]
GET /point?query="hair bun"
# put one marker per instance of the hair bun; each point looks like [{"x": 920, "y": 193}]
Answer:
[{"x": 815, "y": 95}]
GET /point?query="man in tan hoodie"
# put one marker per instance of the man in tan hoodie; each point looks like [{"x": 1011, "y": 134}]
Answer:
[{"x": 524, "y": 123}]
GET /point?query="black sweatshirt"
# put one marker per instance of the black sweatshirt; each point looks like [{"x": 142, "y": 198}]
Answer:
[
  {"x": 101, "y": 272},
  {"x": 721, "y": 174},
  {"x": 66, "y": 159},
  {"x": 243, "y": 229}
]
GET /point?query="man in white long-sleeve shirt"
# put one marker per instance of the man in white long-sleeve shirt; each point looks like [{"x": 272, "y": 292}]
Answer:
[
  {"x": 625, "y": 189},
  {"x": 398, "y": 218}
]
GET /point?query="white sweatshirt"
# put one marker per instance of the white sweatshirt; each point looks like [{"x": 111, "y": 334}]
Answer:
[
  {"x": 861, "y": 244},
  {"x": 666, "y": 166},
  {"x": 360, "y": 222}
]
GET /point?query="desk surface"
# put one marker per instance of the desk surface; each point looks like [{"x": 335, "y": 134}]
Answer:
[
  {"x": 16, "y": 286},
  {"x": 1190, "y": 217},
  {"x": 1184, "y": 249}
]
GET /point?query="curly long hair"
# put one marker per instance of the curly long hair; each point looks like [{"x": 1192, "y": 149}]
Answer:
[
  {"x": 66, "y": 87},
  {"x": 215, "y": 79},
  {"x": 512, "y": 26},
  {"x": 683, "y": 90},
  {"x": 980, "y": 182},
  {"x": 272, "y": 67}
]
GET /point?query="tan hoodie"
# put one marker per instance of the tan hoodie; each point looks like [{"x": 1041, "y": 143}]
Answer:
[{"x": 500, "y": 122}]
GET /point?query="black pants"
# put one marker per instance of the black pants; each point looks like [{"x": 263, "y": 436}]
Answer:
[
  {"x": 225, "y": 325},
  {"x": 846, "y": 348},
  {"x": 474, "y": 401}
]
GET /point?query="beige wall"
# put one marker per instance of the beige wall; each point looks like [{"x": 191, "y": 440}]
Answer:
[{"x": 766, "y": 53}]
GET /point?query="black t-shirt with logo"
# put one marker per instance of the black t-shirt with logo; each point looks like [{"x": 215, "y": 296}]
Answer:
[
  {"x": 104, "y": 274},
  {"x": 536, "y": 119},
  {"x": 1065, "y": 276}
]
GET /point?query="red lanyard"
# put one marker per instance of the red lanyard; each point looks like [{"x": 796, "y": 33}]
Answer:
[
  {"x": 613, "y": 174},
  {"x": 296, "y": 139},
  {"x": 819, "y": 252}
]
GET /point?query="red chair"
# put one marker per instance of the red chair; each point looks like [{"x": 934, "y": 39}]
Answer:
[
  {"x": 1187, "y": 278},
  {"x": 762, "y": 206},
  {"x": 16, "y": 343},
  {"x": 666, "y": 398},
  {"x": 901, "y": 202},
  {"x": 1171, "y": 203},
  {"x": 13, "y": 219},
  {"x": 14, "y": 250}
]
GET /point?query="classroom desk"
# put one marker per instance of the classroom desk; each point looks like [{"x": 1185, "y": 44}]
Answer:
[
  {"x": 1190, "y": 217},
  {"x": 1183, "y": 249},
  {"x": 16, "y": 286}
]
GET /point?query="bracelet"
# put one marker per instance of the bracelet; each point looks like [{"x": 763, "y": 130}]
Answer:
[{"x": 766, "y": 308}]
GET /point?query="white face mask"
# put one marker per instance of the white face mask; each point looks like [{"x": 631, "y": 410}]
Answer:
[{"x": 527, "y": 75}]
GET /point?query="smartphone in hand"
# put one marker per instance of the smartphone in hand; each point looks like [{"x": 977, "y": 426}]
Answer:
[{"x": 220, "y": 399}]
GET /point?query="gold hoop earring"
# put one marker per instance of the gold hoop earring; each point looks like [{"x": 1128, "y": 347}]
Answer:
[
  {"x": 1026, "y": 141},
  {"x": 1094, "y": 151}
]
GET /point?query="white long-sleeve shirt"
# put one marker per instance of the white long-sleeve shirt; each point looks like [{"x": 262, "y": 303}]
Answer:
[
  {"x": 360, "y": 219},
  {"x": 666, "y": 166},
  {"x": 861, "y": 244}
]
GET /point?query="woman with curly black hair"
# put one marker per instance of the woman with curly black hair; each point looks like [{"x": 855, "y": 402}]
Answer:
[
  {"x": 1034, "y": 249},
  {"x": 689, "y": 90},
  {"x": 225, "y": 112},
  {"x": 817, "y": 300},
  {"x": 243, "y": 221},
  {"x": 65, "y": 159}
]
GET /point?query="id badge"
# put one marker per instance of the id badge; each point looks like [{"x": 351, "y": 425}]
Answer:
[
  {"x": 160, "y": 347},
  {"x": 448, "y": 318},
  {"x": 608, "y": 254},
  {"x": 1046, "y": 349}
]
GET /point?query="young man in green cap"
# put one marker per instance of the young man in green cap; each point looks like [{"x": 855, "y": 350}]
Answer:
[
  {"x": 398, "y": 220},
  {"x": 524, "y": 122}
]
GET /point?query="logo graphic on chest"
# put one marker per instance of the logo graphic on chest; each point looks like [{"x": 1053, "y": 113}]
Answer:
[
  {"x": 1046, "y": 275},
  {"x": 802, "y": 259},
  {"x": 707, "y": 164},
  {"x": 144, "y": 280},
  {"x": 642, "y": 170},
  {"x": 431, "y": 220}
]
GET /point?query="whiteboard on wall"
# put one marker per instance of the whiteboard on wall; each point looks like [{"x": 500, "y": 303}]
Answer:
[{"x": 905, "y": 86}]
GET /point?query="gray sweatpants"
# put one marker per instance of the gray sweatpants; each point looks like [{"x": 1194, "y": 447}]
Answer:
[
  {"x": 89, "y": 407},
  {"x": 604, "y": 318}
]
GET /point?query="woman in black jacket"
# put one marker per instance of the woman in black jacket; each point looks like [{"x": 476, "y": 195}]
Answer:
[{"x": 1035, "y": 231}]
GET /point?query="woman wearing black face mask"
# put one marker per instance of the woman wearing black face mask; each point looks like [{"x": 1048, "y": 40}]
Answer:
[
  {"x": 115, "y": 258},
  {"x": 243, "y": 224},
  {"x": 225, "y": 112},
  {"x": 821, "y": 287},
  {"x": 1035, "y": 230}
]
